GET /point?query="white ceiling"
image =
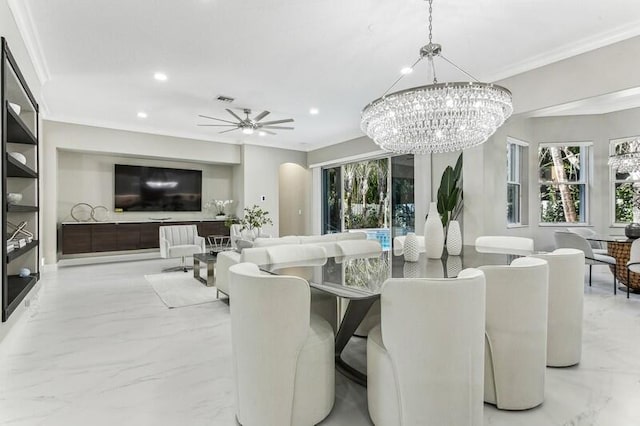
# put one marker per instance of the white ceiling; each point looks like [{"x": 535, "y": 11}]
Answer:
[{"x": 98, "y": 57}]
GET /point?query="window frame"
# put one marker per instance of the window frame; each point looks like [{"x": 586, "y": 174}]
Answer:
[
  {"x": 521, "y": 181},
  {"x": 613, "y": 181},
  {"x": 586, "y": 152}
]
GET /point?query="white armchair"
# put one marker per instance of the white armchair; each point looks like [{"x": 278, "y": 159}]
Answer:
[
  {"x": 425, "y": 361},
  {"x": 180, "y": 241},
  {"x": 283, "y": 357},
  {"x": 515, "y": 356}
]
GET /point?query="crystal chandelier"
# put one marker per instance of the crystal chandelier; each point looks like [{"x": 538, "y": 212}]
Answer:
[
  {"x": 438, "y": 117},
  {"x": 627, "y": 162}
]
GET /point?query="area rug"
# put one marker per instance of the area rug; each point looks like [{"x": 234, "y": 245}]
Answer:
[{"x": 179, "y": 289}]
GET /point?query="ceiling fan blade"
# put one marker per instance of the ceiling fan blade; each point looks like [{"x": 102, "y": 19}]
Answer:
[
  {"x": 286, "y": 120},
  {"x": 234, "y": 114},
  {"x": 218, "y": 125},
  {"x": 260, "y": 116},
  {"x": 219, "y": 119},
  {"x": 277, "y": 127},
  {"x": 230, "y": 130},
  {"x": 268, "y": 132}
]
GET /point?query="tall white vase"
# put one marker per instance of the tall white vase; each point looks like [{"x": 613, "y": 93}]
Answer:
[
  {"x": 454, "y": 238},
  {"x": 411, "y": 249},
  {"x": 433, "y": 233}
]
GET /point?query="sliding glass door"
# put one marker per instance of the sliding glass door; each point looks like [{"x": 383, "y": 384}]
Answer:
[{"x": 373, "y": 196}]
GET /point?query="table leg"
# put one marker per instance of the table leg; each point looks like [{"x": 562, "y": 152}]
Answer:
[
  {"x": 211, "y": 274},
  {"x": 353, "y": 316},
  {"x": 196, "y": 268}
]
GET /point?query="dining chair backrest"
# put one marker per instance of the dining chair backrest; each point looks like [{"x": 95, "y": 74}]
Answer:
[
  {"x": 587, "y": 233},
  {"x": 634, "y": 256},
  {"x": 433, "y": 331},
  {"x": 516, "y": 333},
  {"x": 504, "y": 244},
  {"x": 566, "y": 239},
  {"x": 261, "y": 366},
  {"x": 566, "y": 300}
]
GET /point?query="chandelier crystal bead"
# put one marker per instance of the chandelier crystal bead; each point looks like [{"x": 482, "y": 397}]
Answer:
[{"x": 438, "y": 117}]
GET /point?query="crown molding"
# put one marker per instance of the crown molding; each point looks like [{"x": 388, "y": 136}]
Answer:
[
  {"x": 567, "y": 51},
  {"x": 22, "y": 14}
]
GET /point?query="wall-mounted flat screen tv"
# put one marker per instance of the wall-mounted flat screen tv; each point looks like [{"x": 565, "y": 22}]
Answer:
[{"x": 155, "y": 189}]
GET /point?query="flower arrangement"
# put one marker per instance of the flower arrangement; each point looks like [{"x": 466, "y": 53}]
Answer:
[{"x": 218, "y": 206}]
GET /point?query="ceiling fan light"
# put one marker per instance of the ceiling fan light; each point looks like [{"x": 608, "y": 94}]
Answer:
[
  {"x": 261, "y": 133},
  {"x": 247, "y": 131}
]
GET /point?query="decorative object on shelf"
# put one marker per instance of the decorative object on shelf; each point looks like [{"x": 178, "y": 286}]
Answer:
[
  {"x": 249, "y": 125},
  {"x": 254, "y": 219},
  {"x": 627, "y": 157},
  {"x": 13, "y": 197},
  {"x": 454, "y": 238},
  {"x": 20, "y": 229},
  {"x": 411, "y": 249},
  {"x": 99, "y": 213},
  {"x": 219, "y": 207},
  {"x": 15, "y": 107},
  {"x": 24, "y": 272},
  {"x": 438, "y": 117},
  {"x": 450, "y": 199},
  {"x": 433, "y": 233},
  {"x": 81, "y": 212},
  {"x": 18, "y": 156}
]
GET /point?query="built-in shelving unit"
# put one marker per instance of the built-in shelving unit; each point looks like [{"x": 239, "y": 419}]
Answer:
[{"x": 20, "y": 133}]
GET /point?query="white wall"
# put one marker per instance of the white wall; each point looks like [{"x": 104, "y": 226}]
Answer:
[
  {"x": 294, "y": 200},
  {"x": 95, "y": 141},
  {"x": 261, "y": 178},
  {"x": 89, "y": 178}
]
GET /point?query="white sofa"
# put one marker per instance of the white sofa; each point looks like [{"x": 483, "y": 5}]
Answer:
[{"x": 258, "y": 255}]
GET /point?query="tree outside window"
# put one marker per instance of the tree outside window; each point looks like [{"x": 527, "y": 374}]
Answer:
[{"x": 563, "y": 183}]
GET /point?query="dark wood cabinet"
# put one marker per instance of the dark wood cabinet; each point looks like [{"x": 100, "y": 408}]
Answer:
[
  {"x": 77, "y": 238},
  {"x": 149, "y": 234}
]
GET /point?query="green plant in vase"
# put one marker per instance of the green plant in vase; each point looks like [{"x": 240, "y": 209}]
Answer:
[
  {"x": 450, "y": 200},
  {"x": 254, "y": 219}
]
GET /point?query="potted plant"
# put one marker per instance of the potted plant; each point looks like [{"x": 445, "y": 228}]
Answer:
[
  {"x": 254, "y": 219},
  {"x": 450, "y": 202}
]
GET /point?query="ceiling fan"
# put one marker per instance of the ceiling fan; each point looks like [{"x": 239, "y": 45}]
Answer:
[{"x": 249, "y": 125}]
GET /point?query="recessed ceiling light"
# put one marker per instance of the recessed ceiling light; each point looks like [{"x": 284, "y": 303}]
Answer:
[
  {"x": 142, "y": 114},
  {"x": 160, "y": 76},
  {"x": 261, "y": 133},
  {"x": 314, "y": 111},
  {"x": 406, "y": 70}
]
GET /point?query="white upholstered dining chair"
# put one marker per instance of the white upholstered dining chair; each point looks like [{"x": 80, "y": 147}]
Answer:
[
  {"x": 425, "y": 360},
  {"x": 565, "y": 239},
  {"x": 566, "y": 305},
  {"x": 283, "y": 357},
  {"x": 180, "y": 241},
  {"x": 504, "y": 244},
  {"x": 515, "y": 355}
]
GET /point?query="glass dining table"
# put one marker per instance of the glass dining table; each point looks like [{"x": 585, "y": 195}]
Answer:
[{"x": 359, "y": 280}]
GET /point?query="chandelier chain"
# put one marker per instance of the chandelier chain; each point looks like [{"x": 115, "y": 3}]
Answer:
[{"x": 430, "y": 20}]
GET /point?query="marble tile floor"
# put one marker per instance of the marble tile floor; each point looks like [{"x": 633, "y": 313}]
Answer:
[{"x": 98, "y": 347}]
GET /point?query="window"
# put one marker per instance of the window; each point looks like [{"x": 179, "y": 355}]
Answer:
[
  {"x": 563, "y": 178},
  {"x": 625, "y": 186},
  {"x": 516, "y": 181}
]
